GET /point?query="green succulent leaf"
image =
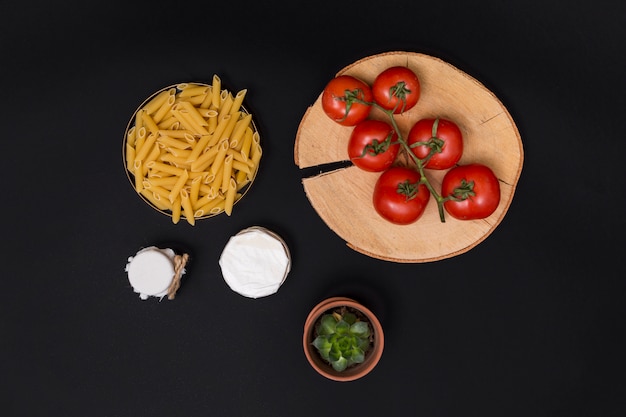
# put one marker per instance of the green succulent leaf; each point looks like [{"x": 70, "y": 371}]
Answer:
[
  {"x": 364, "y": 344},
  {"x": 334, "y": 355},
  {"x": 360, "y": 328},
  {"x": 358, "y": 355},
  {"x": 323, "y": 346},
  {"x": 327, "y": 325},
  {"x": 349, "y": 318},
  {"x": 340, "y": 364},
  {"x": 342, "y": 328}
]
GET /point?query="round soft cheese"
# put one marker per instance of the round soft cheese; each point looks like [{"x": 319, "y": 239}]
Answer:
[
  {"x": 255, "y": 262},
  {"x": 151, "y": 271}
]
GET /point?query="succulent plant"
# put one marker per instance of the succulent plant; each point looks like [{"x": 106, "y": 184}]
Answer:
[{"x": 342, "y": 339}]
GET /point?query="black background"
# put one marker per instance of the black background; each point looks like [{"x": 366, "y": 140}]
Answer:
[{"x": 528, "y": 323}]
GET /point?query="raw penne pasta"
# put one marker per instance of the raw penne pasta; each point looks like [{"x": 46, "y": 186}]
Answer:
[
  {"x": 237, "y": 101},
  {"x": 164, "y": 109},
  {"x": 245, "y": 145},
  {"x": 192, "y": 150},
  {"x": 151, "y": 126},
  {"x": 175, "y": 133},
  {"x": 219, "y": 130},
  {"x": 216, "y": 92},
  {"x": 187, "y": 208},
  {"x": 193, "y": 113},
  {"x": 203, "y": 161},
  {"x": 148, "y": 195},
  {"x": 182, "y": 179},
  {"x": 222, "y": 147},
  {"x": 239, "y": 129},
  {"x": 227, "y": 102},
  {"x": 194, "y": 191},
  {"x": 229, "y": 196},
  {"x": 208, "y": 208},
  {"x": 157, "y": 101},
  {"x": 188, "y": 123},
  {"x": 130, "y": 157},
  {"x": 227, "y": 172},
  {"x": 146, "y": 147},
  {"x": 194, "y": 90},
  {"x": 169, "y": 123},
  {"x": 176, "y": 210}
]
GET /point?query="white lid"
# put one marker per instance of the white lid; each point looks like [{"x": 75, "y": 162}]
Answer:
[
  {"x": 151, "y": 271},
  {"x": 255, "y": 262}
]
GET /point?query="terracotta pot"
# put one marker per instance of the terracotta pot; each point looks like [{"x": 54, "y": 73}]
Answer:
[{"x": 357, "y": 371}]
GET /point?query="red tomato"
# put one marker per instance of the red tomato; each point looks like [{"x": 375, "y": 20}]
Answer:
[
  {"x": 441, "y": 139},
  {"x": 340, "y": 100},
  {"x": 474, "y": 191},
  {"x": 399, "y": 197},
  {"x": 397, "y": 89},
  {"x": 373, "y": 145}
]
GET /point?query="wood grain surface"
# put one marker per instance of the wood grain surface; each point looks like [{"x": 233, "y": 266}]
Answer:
[{"x": 343, "y": 197}]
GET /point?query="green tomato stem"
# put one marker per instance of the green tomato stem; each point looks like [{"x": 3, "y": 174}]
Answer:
[{"x": 419, "y": 163}]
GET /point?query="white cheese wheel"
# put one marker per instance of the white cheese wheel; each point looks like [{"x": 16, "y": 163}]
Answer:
[
  {"x": 151, "y": 271},
  {"x": 255, "y": 262}
]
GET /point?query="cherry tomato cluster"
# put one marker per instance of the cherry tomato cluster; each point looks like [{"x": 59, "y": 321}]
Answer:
[{"x": 402, "y": 191}]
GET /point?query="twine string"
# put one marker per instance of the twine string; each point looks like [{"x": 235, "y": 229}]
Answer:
[{"x": 179, "y": 265}]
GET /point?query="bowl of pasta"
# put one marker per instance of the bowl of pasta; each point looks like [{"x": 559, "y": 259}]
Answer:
[{"x": 192, "y": 150}]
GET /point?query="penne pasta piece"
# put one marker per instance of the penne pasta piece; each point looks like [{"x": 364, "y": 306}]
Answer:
[
  {"x": 187, "y": 209},
  {"x": 246, "y": 144},
  {"x": 183, "y": 153},
  {"x": 138, "y": 172},
  {"x": 216, "y": 92},
  {"x": 170, "y": 122},
  {"x": 151, "y": 126},
  {"x": 229, "y": 197},
  {"x": 204, "y": 160},
  {"x": 175, "y": 133},
  {"x": 166, "y": 182},
  {"x": 208, "y": 98},
  {"x": 187, "y": 121},
  {"x": 219, "y": 130},
  {"x": 194, "y": 90},
  {"x": 194, "y": 192},
  {"x": 176, "y": 210},
  {"x": 222, "y": 147},
  {"x": 153, "y": 155},
  {"x": 130, "y": 136},
  {"x": 138, "y": 119},
  {"x": 173, "y": 142},
  {"x": 164, "y": 110},
  {"x": 148, "y": 195},
  {"x": 182, "y": 179},
  {"x": 160, "y": 166},
  {"x": 198, "y": 148},
  {"x": 239, "y": 129},
  {"x": 145, "y": 148},
  {"x": 156, "y": 102},
  {"x": 227, "y": 102},
  {"x": 242, "y": 180},
  {"x": 227, "y": 172},
  {"x": 193, "y": 113},
  {"x": 130, "y": 157},
  {"x": 241, "y": 166},
  {"x": 208, "y": 208},
  {"x": 238, "y": 100},
  {"x": 207, "y": 113}
]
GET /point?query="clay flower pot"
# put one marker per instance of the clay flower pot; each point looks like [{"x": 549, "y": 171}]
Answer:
[{"x": 355, "y": 371}]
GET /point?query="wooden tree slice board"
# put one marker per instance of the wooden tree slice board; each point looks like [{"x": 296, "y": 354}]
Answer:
[{"x": 343, "y": 197}]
